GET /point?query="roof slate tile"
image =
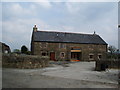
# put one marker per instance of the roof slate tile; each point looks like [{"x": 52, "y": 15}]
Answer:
[{"x": 65, "y": 37}]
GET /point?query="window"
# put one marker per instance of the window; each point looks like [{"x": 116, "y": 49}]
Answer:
[
  {"x": 91, "y": 56},
  {"x": 44, "y": 53},
  {"x": 61, "y": 45},
  {"x": 99, "y": 56},
  {"x": 62, "y": 54}
]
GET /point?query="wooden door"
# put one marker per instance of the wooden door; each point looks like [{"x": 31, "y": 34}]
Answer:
[
  {"x": 76, "y": 55},
  {"x": 52, "y": 56}
]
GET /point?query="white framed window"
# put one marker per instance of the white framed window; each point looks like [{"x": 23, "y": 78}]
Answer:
[{"x": 91, "y": 56}]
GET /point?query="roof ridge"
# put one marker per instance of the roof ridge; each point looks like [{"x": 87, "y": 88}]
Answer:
[
  {"x": 68, "y": 32},
  {"x": 50, "y": 36}
]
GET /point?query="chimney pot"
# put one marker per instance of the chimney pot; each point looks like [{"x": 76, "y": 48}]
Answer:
[{"x": 35, "y": 28}]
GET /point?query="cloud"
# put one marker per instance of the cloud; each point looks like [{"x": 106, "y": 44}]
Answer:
[
  {"x": 46, "y": 5},
  {"x": 99, "y": 17},
  {"x": 69, "y": 17},
  {"x": 0, "y": 22},
  {"x": 73, "y": 7},
  {"x": 17, "y": 10},
  {"x": 106, "y": 26},
  {"x": 19, "y": 32},
  {"x": 0, "y": 30},
  {"x": 60, "y": 0},
  {"x": 93, "y": 1}
]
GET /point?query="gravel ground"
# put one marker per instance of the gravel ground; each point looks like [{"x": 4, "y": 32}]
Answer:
[
  {"x": 77, "y": 75},
  {"x": 85, "y": 71}
]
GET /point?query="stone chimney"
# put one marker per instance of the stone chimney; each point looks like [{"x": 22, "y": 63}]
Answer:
[
  {"x": 35, "y": 28},
  {"x": 94, "y": 33}
]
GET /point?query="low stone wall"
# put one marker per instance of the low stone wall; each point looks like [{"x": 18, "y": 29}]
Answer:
[
  {"x": 110, "y": 64},
  {"x": 24, "y": 61}
]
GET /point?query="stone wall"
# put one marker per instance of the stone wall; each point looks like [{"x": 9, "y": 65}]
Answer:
[
  {"x": 86, "y": 49},
  {"x": 110, "y": 63},
  {"x": 24, "y": 61}
]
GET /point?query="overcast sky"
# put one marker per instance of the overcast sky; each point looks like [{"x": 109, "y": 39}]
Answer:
[{"x": 18, "y": 19}]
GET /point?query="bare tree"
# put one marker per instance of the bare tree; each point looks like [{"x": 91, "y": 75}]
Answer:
[{"x": 112, "y": 49}]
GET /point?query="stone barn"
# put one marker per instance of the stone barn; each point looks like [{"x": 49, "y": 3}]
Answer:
[
  {"x": 5, "y": 48},
  {"x": 68, "y": 46}
]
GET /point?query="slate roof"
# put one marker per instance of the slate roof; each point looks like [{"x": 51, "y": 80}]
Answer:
[{"x": 48, "y": 36}]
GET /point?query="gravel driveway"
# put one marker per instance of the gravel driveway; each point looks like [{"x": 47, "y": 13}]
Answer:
[{"x": 77, "y": 75}]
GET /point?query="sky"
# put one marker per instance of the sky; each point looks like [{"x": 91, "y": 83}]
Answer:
[{"x": 18, "y": 19}]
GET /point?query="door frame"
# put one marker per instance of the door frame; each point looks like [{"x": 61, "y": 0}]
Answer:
[
  {"x": 78, "y": 54},
  {"x": 54, "y": 56}
]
